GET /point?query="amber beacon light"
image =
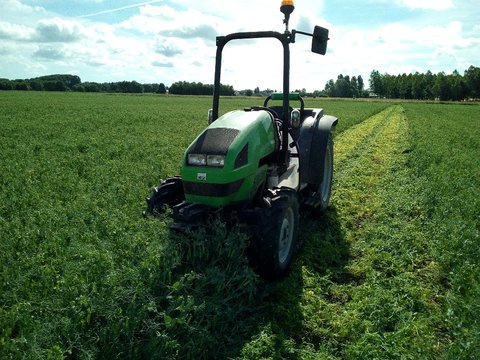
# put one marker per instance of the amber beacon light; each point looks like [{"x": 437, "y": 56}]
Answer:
[{"x": 287, "y": 7}]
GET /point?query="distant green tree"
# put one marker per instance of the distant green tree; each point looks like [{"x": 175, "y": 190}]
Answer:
[
  {"x": 79, "y": 88},
  {"x": 188, "y": 88},
  {"x": 354, "y": 86},
  {"x": 150, "y": 88},
  {"x": 52, "y": 85},
  {"x": 161, "y": 89},
  {"x": 429, "y": 82},
  {"x": 91, "y": 87},
  {"x": 135, "y": 87},
  {"x": 404, "y": 88},
  {"x": 330, "y": 88},
  {"x": 21, "y": 85},
  {"x": 68, "y": 81},
  {"x": 302, "y": 92},
  {"x": 458, "y": 87},
  {"x": 225, "y": 90},
  {"x": 343, "y": 88},
  {"x": 441, "y": 87},
  {"x": 36, "y": 85},
  {"x": 377, "y": 83},
  {"x": 5, "y": 84},
  {"x": 361, "y": 85},
  {"x": 472, "y": 81}
]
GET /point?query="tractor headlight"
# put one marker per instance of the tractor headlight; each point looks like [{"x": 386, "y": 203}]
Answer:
[
  {"x": 197, "y": 159},
  {"x": 216, "y": 160},
  {"x": 206, "y": 160}
]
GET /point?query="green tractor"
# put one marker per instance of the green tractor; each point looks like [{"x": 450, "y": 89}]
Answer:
[{"x": 260, "y": 164}]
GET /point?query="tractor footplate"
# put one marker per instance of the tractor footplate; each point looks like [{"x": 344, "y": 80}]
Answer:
[{"x": 189, "y": 213}]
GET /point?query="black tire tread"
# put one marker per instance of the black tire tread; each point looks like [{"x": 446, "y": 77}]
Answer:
[{"x": 263, "y": 250}]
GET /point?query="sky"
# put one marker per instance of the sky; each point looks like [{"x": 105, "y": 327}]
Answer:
[{"x": 164, "y": 41}]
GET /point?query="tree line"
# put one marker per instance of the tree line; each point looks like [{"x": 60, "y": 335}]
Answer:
[
  {"x": 417, "y": 86},
  {"x": 346, "y": 87},
  {"x": 197, "y": 88},
  {"x": 428, "y": 86},
  {"x": 66, "y": 82}
]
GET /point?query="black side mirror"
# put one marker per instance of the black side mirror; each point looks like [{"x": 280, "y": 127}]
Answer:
[{"x": 319, "y": 41}]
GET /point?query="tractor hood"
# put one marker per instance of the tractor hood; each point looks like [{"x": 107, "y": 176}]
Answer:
[{"x": 227, "y": 162}]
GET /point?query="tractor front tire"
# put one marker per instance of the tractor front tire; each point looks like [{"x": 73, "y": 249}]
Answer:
[
  {"x": 275, "y": 239},
  {"x": 167, "y": 194}
]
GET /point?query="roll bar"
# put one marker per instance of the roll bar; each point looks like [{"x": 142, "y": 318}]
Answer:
[{"x": 319, "y": 45}]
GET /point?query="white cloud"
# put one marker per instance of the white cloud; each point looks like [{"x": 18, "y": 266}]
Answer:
[
  {"x": 438, "y": 5},
  {"x": 165, "y": 20},
  {"x": 18, "y": 13},
  {"x": 398, "y": 48},
  {"x": 50, "y": 53},
  {"x": 15, "y": 31},
  {"x": 167, "y": 43},
  {"x": 16, "y": 6},
  {"x": 162, "y": 64},
  {"x": 167, "y": 48},
  {"x": 59, "y": 30}
]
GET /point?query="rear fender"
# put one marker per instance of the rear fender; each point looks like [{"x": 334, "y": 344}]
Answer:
[{"x": 312, "y": 143}]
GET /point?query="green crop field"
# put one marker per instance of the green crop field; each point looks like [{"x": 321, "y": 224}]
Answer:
[{"x": 391, "y": 271}]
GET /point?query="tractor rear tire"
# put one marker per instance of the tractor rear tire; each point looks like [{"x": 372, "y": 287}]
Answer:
[
  {"x": 325, "y": 188},
  {"x": 320, "y": 193},
  {"x": 275, "y": 239}
]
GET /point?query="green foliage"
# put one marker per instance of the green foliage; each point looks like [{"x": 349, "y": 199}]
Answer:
[
  {"x": 193, "y": 88},
  {"x": 73, "y": 83},
  {"x": 427, "y": 86},
  {"x": 472, "y": 77},
  {"x": 344, "y": 87},
  {"x": 82, "y": 273},
  {"x": 389, "y": 272},
  {"x": 445, "y": 156}
]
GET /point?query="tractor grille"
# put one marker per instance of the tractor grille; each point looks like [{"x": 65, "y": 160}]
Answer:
[
  {"x": 214, "y": 141},
  {"x": 215, "y": 190}
]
